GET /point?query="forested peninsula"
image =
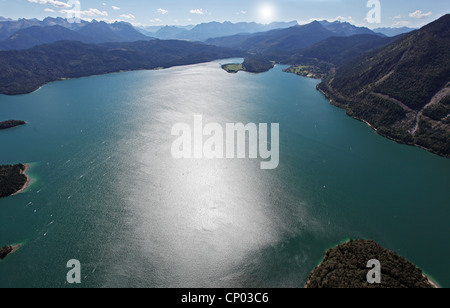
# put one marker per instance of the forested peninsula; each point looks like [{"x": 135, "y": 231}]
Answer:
[
  {"x": 7, "y": 250},
  {"x": 11, "y": 124},
  {"x": 253, "y": 64},
  {"x": 345, "y": 266},
  {"x": 12, "y": 179}
]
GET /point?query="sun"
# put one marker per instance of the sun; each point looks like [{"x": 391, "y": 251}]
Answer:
[{"x": 267, "y": 12}]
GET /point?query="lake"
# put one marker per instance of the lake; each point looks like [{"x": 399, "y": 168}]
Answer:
[{"x": 107, "y": 191}]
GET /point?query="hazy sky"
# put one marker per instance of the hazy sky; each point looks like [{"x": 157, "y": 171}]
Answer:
[{"x": 412, "y": 13}]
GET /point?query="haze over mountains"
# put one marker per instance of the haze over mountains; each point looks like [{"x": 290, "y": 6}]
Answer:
[
  {"x": 102, "y": 32},
  {"x": 35, "y": 35},
  {"x": 8, "y": 27},
  {"x": 393, "y": 31},
  {"x": 293, "y": 38},
  {"x": 27, "y": 33},
  {"x": 18, "y": 35},
  {"x": 53, "y": 30},
  {"x": 205, "y": 31}
]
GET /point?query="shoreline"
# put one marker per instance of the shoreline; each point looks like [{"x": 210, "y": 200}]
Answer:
[
  {"x": 40, "y": 86},
  {"x": 399, "y": 141},
  {"x": 430, "y": 281},
  {"x": 10, "y": 124},
  {"x": 14, "y": 249},
  {"x": 27, "y": 183}
]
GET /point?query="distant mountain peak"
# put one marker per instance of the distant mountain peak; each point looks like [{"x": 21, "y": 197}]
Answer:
[
  {"x": 54, "y": 18},
  {"x": 314, "y": 23},
  {"x": 103, "y": 32},
  {"x": 344, "y": 28},
  {"x": 24, "y": 34},
  {"x": 37, "y": 35}
]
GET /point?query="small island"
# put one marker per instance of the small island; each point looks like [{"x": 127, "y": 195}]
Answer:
[
  {"x": 253, "y": 64},
  {"x": 13, "y": 179},
  {"x": 7, "y": 250},
  {"x": 233, "y": 68},
  {"x": 11, "y": 124},
  {"x": 345, "y": 266}
]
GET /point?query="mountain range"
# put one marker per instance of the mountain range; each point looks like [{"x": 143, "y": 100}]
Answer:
[
  {"x": 50, "y": 32},
  {"x": 27, "y": 33},
  {"x": 344, "y": 28},
  {"x": 292, "y": 38},
  {"x": 9, "y": 27},
  {"x": 205, "y": 31}
]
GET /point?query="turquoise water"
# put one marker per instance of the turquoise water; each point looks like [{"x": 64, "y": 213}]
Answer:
[{"x": 106, "y": 190}]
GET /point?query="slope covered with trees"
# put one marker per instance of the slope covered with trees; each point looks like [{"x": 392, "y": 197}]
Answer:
[
  {"x": 102, "y": 32},
  {"x": 340, "y": 50},
  {"x": 399, "y": 85},
  {"x": 397, "y": 88},
  {"x": 321, "y": 59},
  {"x": 25, "y": 71},
  {"x": 12, "y": 179},
  {"x": 5, "y": 251}
]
